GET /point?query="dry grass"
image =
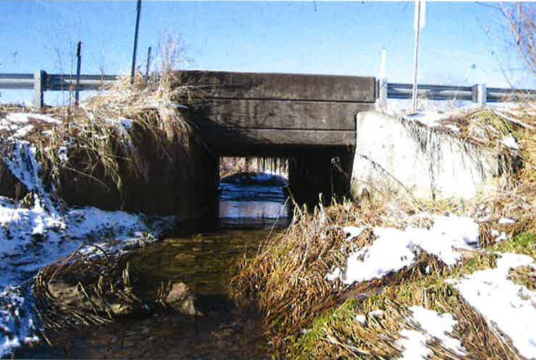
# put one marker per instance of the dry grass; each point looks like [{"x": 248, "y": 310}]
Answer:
[
  {"x": 338, "y": 335},
  {"x": 286, "y": 281},
  {"x": 116, "y": 135},
  {"x": 98, "y": 139},
  {"x": 86, "y": 287},
  {"x": 525, "y": 276}
]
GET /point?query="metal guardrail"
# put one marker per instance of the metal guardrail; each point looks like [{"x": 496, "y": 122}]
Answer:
[
  {"x": 468, "y": 93},
  {"x": 478, "y": 93},
  {"x": 41, "y": 81}
]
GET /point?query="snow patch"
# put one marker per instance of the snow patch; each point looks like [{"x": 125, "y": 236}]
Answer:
[
  {"x": 504, "y": 304},
  {"x": 428, "y": 118},
  {"x": 432, "y": 325},
  {"x": 18, "y": 124},
  {"x": 439, "y": 326},
  {"x": 414, "y": 344},
  {"x": 352, "y": 232},
  {"x": 126, "y": 123},
  {"x": 31, "y": 238},
  {"x": 506, "y": 221},
  {"x": 394, "y": 249},
  {"x": 510, "y": 142}
]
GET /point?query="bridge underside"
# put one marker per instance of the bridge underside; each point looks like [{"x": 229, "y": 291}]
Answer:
[{"x": 309, "y": 119}]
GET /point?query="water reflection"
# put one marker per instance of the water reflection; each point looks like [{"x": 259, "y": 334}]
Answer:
[{"x": 253, "y": 200}]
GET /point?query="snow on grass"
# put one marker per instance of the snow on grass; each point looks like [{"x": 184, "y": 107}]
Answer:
[
  {"x": 432, "y": 325},
  {"x": 352, "y": 232},
  {"x": 439, "y": 326},
  {"x": 24, "y": 118},
  {"x": 505, "y": 305},
  {"x": 428, "y": 118},
  {"x": 414, "y": 344},
  {"x": 506, "y": 221},
  {"x": 31, "y": 238},
  {"x": 510, "y": 142},
  {"x": 394, "y": 249},
  {"x": 20, "y": 124}
]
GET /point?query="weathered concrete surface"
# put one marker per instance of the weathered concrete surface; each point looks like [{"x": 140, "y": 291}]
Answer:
[
  {"x": 397, "y": 156},
  {"x": 185, "y": 186},
  {"x": 271, "y": 111},
  {"x": 240, "y": 85}
]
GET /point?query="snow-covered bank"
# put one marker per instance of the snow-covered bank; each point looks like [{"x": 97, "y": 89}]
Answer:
[
  {"x": 31, "y": 239},
  {"x": 504, "y": 304},
  {"x": 36, "y": 235},
  {"x": 394, "y": 249}
]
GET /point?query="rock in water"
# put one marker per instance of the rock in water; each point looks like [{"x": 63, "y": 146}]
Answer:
[{"x": 181, "y": 299}]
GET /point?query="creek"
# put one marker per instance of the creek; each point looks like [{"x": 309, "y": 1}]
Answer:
[{"x": 251, "y": 210}]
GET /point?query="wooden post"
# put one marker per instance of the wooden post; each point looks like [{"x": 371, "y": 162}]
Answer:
[
  {"x": 480, "y": 95},
  {"x": 78, "y": 68},
  {"x": 40, "y": 78},
  {"x": 148, "y": 66}
]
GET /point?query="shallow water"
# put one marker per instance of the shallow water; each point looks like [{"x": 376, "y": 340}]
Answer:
[{"x": 204, "y": 262}]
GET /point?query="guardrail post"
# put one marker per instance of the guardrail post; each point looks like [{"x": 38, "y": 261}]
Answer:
[
  {"x": 40, "y": 79},
  {"x": 480, "y": 95},
  {"x": 382, "y": 93}
]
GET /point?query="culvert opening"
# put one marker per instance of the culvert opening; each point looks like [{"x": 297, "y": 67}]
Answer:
[{"x": 253, "y": 192}]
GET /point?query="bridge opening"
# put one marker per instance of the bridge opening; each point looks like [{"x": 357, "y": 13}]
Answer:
[{"x": 253, "y": 192}]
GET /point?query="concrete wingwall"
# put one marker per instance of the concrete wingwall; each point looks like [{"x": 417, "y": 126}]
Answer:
[{"x": 399, "y": 156}]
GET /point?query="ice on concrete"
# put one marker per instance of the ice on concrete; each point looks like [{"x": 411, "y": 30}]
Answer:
[{"x": 504, "y": 304}]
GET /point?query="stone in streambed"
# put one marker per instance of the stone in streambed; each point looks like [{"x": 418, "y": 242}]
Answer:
[{"x": 181, "y": 299}]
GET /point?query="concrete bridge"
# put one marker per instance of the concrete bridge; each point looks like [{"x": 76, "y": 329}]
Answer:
[{"x": 310, "y": 119}]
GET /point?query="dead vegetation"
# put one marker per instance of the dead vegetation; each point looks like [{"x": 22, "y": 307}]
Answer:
[
  {"x": 106, "y": 135},
  {"x": 308, "y": 317},
  {"x": 115, "y": 142},
  {"x": 86, "y": 287}
]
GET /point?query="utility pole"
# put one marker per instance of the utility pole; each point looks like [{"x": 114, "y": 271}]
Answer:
[
  {"x": 133, "y": 70},
  {"x": 420, "y": 6}
]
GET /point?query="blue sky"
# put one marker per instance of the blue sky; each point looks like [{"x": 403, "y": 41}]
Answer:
[{"x": 462, "y": 43}]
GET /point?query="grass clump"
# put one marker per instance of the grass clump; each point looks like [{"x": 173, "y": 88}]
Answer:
[
  {"x": 286, "y": 280},
  {"x": 521, "y": 244},
  {"x": 525, "y": 276},
  {"x": 338, "y": 334},
  {"x": 108, "y": 137}
]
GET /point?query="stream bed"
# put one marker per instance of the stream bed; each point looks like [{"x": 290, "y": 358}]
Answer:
[{"x": 204, "y": 260}]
